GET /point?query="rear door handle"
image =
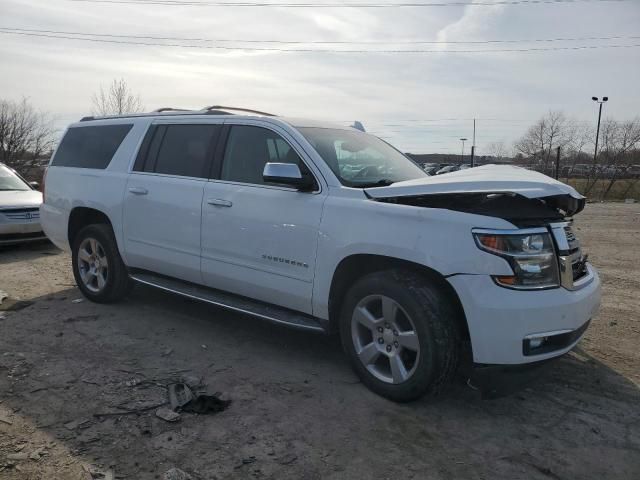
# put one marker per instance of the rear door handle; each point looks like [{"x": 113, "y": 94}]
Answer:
[
  {"x": 138, "y": 190},
  {"x": 218, "y": 202}
]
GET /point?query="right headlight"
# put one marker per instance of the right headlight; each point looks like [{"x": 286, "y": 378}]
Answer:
[{"x": 531, "y": 255}]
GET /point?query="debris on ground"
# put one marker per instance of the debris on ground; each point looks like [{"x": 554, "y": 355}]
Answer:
[
  {"x": 179, "y": 395},
  {"x": 18, "y": 456},
  {"x": 167, "y": 352},
  {"x": 246, "y": 461},
  {"x": 37, "y": 453},
  {"x": 176, "y": 474},
  {"x": 11, "y": 305},
  {"x": 182, "y": 398},
  {"x": 3, "y": 295},
  {"x": 4, "y": 419},
  {"x": 77, "y": 300},
  {"x": 287, "y": 459},
  {"x": 72, "y": 425},
  {"x": 98, "y": 473},
  {"x": 167, "y": 414},
  {"x": 81, "y": 318},
  {"x": 206, "y": 404},
  {"x": 194, "y": 382}
]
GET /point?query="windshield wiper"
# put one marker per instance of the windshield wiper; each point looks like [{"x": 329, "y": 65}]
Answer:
[{"x": 385, "y": 182}]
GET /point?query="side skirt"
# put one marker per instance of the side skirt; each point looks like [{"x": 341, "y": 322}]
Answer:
[{"x": 230, "y": 301}]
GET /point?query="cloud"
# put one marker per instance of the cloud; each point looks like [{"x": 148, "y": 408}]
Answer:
[{"x": 383, "y": 90}]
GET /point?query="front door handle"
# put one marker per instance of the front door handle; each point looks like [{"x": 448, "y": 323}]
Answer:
[
  {"x": 218, "y": 202},
  {"x": 138, "y": 190}
]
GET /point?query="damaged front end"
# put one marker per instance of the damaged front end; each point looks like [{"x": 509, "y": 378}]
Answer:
[
  {"x": 520, "y": 196},
  {"x": 521, "y": 211}
]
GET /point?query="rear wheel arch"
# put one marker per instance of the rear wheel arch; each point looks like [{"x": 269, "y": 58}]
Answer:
[
  {"x": 80, "y": 217},
  {"x": 353, "y": 267}
]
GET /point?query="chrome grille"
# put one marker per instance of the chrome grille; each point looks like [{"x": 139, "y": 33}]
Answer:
[
  {"x": 573, "y": 264},
  {"x": 21, "y": 213},
  {"x": 571, "y": 237}
]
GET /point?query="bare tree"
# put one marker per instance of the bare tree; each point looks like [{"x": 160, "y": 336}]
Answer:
[
  {"x": 620, "y": 140},
  {"x": 26, "y": 135},
  {"x": 541, "y": 140},
  {"x": 117, "y": 99},
  {"x": 498, "y": 150}
]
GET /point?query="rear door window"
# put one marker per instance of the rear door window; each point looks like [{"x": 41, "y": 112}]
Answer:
[
  {"x": 181, "y": 150},
  {"x": 90, "y": 147}
]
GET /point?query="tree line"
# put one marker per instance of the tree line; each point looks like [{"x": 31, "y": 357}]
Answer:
[{"x": 27, "y": 137}]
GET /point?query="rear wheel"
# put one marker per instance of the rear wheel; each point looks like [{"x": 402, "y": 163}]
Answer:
[
  {"x": 97, "y": 266},
  {"x": 400, "y": 333}
]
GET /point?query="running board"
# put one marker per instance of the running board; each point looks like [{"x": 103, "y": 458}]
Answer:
[{"x": 272, "y": 313}]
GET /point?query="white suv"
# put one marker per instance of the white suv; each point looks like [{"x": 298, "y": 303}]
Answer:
[{"x": 329, "y": 229}]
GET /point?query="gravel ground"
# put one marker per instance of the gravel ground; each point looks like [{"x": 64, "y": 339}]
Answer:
[{"x": 297, "y": 409}]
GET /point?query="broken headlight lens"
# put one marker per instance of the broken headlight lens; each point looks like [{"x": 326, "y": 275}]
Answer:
[{"x": 531, "y": 256}]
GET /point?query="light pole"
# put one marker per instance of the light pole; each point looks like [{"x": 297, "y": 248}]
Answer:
[
  {"x": 595, "y": 99},
  {"x": 462, "y": 156}
]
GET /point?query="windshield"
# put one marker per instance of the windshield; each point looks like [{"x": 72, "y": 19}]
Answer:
[
  {"x": 359, "y": 159},
  {"x": 10, "y": 181}
]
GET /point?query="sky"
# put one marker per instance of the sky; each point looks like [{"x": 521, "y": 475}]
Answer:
[{"x": 422, "y": 101}]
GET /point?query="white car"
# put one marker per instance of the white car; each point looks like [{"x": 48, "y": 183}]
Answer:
[
  {"x": 19, "y": 209},
  {"x": 258, "y": 214}
]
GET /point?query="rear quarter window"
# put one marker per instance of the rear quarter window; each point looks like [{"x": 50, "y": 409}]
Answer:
[{"x": 90, "y": 147}]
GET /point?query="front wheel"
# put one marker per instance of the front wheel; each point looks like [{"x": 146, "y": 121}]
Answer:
[
  {"x": 97, "y": 266},
  {"x": 400, "y": 332}
]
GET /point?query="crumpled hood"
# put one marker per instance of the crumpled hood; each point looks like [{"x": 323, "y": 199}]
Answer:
[
  {"x": 489, "y": 179},
  {"x": 20, "y": 199}
]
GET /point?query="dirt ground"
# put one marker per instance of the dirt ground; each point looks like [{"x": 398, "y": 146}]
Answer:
[{"x": 297, "y": 409}]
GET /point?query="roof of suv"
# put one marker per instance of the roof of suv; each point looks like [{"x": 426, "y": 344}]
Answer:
[{"x": 220, "y": 111}]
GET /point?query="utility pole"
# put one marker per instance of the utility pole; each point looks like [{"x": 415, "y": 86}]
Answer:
[
  {"x": 558, "y": 163},
  {"x": 595, "y": 153},
  {"x": 473, "y": 146},
  {"x": 462, "y": 156}
]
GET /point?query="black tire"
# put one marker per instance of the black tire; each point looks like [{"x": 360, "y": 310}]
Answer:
[
  {"x": 117, "y": 283},
  {"x": 433, "y": 314}
]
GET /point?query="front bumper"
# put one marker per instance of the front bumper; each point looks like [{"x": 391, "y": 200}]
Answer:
[
  {"x": 495, "y": 381},
  {"x": 501, "y": 321},
  {"x": 20, "y": 232}
]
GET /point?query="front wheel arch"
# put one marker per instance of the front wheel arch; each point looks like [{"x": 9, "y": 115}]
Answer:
[{"x": 353, "y": 267}]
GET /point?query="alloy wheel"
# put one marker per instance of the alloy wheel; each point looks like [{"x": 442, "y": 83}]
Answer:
[
  {"x": 385, "y": 339},
  {"x": 93, "y": 265}
]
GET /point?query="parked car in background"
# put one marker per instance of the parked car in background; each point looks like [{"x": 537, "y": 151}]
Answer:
[
  {"x": 19, "y": 209},
  {"x": 633, "y": 171},
  {"x": 256, "y": 214},
  {"x": 448, "y": 169},
  {"x": 431, "y": 168},
  {"x": 581, "y": 170}
]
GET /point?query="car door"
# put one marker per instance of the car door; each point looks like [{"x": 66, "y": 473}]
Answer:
[
  {"x": 260, "y": 240},
  {"x": 162, "y": 205}
]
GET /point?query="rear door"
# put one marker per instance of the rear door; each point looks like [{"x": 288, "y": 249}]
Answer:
[
  {"x": 163, "y": 199},
  {"x": 260, "y": 240}
]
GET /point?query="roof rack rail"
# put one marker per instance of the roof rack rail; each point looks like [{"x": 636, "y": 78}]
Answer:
[
  {"x": 218, "y": 109},
  {"x": 171, "y": 109}
]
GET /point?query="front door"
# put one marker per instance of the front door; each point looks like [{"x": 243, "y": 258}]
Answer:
[
  {"x": 260, "y": 240},
  {"x": 163, "y": 200}
]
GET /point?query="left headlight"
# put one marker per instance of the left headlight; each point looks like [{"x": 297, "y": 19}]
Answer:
[{"x": 531, "y": 256}]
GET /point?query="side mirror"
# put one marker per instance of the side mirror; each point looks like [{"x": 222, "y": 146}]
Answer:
[
  {"x": 35, "y": 185},
  {"x": 287, "y": 174}
]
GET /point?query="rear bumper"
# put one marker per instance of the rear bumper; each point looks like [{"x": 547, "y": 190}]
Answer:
[
  {"x": 54, "y": 223},
  {"x": 502, "y": 323}
]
